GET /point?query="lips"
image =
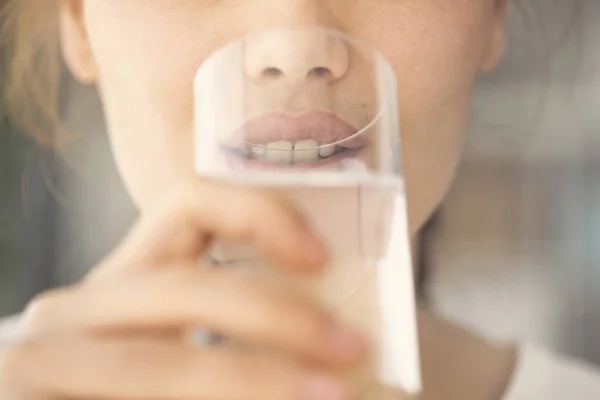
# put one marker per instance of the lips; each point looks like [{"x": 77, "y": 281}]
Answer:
[{"x": 283, "y": 139}]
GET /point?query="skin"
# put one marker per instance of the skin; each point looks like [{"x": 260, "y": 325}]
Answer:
[
  {"x": 444, "y": 45},
  {"x": 86, "y": 341}
]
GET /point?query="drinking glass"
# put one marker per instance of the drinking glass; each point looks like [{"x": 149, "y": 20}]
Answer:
[{"x": 312, "y": 113}]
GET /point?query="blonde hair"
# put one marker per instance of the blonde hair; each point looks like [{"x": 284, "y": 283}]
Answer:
[{"x": 31, "y": 67}]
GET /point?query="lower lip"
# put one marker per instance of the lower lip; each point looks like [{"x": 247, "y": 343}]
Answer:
[{"x": 236, "y": 161}]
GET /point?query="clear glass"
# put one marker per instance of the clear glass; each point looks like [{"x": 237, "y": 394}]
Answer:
[{"x": 312, "y": 113}]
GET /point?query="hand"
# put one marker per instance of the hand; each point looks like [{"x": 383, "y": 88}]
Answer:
[{"x": 121, "y": 333}]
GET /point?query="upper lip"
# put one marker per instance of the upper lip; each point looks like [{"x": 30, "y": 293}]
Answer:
[{"x": 320, "y": 126}]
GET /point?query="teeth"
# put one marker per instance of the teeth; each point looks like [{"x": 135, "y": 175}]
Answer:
[
  {"x": 285, "y": 152},
  {"x": 306, "y": 151},
  {"x": 280, "y": 152},
  {"x": 327, "y": 151}
]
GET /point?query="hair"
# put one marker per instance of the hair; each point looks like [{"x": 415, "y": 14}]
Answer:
[{"x": 31, "y": 69}]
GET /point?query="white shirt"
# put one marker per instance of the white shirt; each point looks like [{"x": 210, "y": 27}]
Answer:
[
  {"x": 543, "y": 375},
  {"x": 539, "y": 375}
]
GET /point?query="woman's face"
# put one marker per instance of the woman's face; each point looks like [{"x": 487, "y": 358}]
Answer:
[{"x": 143, "y": 56}]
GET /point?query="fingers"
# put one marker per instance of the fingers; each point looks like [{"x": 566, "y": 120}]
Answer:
[
  {"x": 153, "y": 369},
  {"x": 177, "y": 298},
  {"x": 181, "y": 227}
]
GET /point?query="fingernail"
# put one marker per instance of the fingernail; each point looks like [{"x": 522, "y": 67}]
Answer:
[
  {"x": 320, "y": 387},
  {"x": 347, "y": 342}
]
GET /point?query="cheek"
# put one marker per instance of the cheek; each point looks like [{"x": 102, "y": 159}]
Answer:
[
  {"x": 436, "y": 55},
  {"x": 146, "y": 68},
  {"x": 145, "y": 80}
]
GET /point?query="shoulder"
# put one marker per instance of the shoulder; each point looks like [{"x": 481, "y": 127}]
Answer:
[
  {"x": 9, "y": 329},
  {"x": 540, "y": 374}
]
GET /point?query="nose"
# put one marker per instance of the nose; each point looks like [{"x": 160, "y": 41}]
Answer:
[{"x": 296, "y": 56}]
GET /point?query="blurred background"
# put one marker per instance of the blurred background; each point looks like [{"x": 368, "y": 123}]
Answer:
[{"x": 517, "y": 249}]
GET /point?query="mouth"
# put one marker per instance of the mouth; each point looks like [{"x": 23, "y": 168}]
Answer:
[{"x": 308, "y": 140}]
